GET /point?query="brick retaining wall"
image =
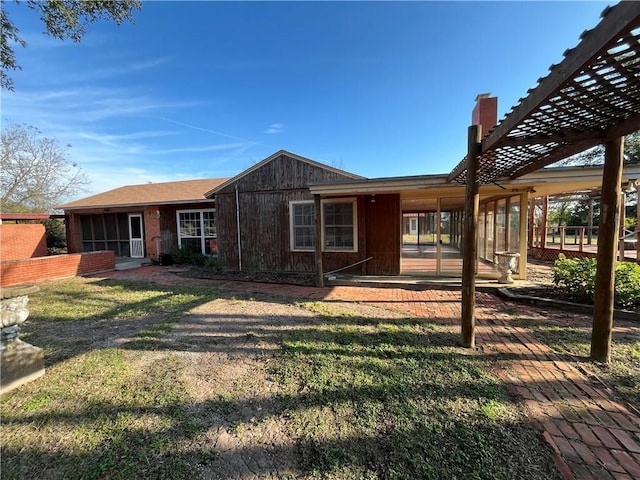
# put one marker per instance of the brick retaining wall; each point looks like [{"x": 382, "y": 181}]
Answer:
[
  {"x": 22, "y": 240},
  {"x": 58, "y": 266}
]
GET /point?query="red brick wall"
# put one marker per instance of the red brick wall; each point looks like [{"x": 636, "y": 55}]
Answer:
[
  {"x": 151, "y": 231},
  {"x": 58, "y": 266},
  {"x": 22, "y": 240},
  {"x": 485, "y": 113},
  {"x": 74, "y": 243}
]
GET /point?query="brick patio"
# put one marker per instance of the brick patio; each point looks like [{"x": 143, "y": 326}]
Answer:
[{"x": 592, "y": 434}]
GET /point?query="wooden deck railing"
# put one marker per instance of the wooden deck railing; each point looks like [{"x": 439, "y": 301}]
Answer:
[{"x": 582, "y": 239}]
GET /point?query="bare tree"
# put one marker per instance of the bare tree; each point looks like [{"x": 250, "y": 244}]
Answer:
[
  {"x": 595, "y": 155},
  {"x": 36, "y": 172}
]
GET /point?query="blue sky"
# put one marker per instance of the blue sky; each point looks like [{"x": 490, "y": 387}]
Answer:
[{"x": 207, "y": 89}]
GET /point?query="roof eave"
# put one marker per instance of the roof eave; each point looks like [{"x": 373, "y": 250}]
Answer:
[
  {"x": 272, "y": 157},
  {"x": 142, "y": 204}
]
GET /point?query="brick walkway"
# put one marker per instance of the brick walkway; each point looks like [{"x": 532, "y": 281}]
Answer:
[{"x": 593, "y": 436}]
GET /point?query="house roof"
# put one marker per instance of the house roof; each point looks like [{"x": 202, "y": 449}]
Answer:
[
  {"x": 28, "y": 216},
  {"x": 258, "y": 165},
  {"x": 187, "y": 191},
  {"x": 546, "y": 181},
  {"x": 589, "y": 98}
]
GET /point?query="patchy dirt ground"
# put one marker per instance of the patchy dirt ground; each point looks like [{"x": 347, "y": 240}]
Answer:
[{"x": 226, "y": 346}]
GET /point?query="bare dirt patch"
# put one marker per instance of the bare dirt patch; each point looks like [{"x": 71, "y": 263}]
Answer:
[{"x": 227, "y": 347}]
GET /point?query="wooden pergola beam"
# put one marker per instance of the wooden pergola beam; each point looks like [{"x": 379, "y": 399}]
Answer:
[
  {"x": 457, "y": 171},
  {"x": 620, "y": 19},
  {"x": 621, "y": 129},
  {"x": 518, "y": 171},
  {"x": 556, "y": 138}
]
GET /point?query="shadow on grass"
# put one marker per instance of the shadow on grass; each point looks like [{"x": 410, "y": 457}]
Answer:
[
  {"x": 107, "y": 313},
  {"x": 426, "y": 449},
  {"x": 412, "y": 403}
]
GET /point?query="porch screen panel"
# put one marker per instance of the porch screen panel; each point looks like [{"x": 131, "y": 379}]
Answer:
[
  {"x": 86, "y": 233},
  {"x": 111, "y": 224},
  {"x": 482, "y": 233},
  {"x": 123, "y": 235},
  {"x": 501, "y": 226},
  {"x": 513, "y": 243},
  {"x": 108, "y": 231},
  {"x": 490, "y": 232}
]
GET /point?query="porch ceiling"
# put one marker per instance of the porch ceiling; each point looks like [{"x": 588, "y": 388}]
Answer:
[{"x": 592, "y": 96}]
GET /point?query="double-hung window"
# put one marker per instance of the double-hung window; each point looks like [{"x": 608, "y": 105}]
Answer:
[
  {"x": 302, "y": 220},
  {"x": 197, "y": 229},
  {"x": 339, "y": 218}
]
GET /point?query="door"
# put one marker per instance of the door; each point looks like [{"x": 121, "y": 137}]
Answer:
[
  {"x": 413, "y": 226},
  {"x": 136, "y": 240}
]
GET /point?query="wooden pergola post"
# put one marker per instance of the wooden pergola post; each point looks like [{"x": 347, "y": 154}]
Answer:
[
  {"x": 522, "y": 261},
  {"x": 607, "y": 251},
  {"x": 318, "y": 245},
  {"x": 543, "y": 222},
  {"x": 637, "y": 222},
  {"x": 590, "y": 222},
  {"x": 469, "y": 250},
  {"x": 621, "y": 222},
  {"x": 531, "y": 231}
]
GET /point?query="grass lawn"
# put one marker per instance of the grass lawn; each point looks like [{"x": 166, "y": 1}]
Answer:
[
  {"x": 358, "y": 395},
  {"x": 397, "y": 399}
]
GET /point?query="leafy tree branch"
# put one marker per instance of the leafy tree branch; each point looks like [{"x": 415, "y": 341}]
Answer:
[{"x": 63, "y": 19}]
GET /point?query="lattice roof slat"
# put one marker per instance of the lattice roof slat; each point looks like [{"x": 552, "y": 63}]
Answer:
[{"x": 591, "y": 96}]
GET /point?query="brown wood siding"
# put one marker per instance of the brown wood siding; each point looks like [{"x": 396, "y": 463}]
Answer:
[
  {"x": 227, "y": 231},
  {"x": 383, "y": 219},
  {"x": 282, "y": 173},
  {"x": 264, "y": 197},
  {"x": 264, "y": 232}
]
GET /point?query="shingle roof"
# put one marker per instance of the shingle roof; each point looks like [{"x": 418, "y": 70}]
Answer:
[
  {"x": 187, "y": 191},
  {"x": 213, "y": 191}
]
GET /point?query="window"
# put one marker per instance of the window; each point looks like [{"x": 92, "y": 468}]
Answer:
[
  {"x": 302, "y": 220},
  {"x": 340, "y": 226},
  {"x": 197, "y": 229}
]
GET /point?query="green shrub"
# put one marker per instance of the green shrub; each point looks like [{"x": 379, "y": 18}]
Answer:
[
  {"x": 56, "y": 235},
  {"x": 578, "y": 277},
  {"x": 187, "y": 255},
  {"x": 628, "y": 285},
  {"x": 213, "y": 264}
]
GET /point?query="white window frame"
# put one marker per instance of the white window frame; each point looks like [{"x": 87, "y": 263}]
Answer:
[
  {"x": 202, "y": 236},
  {"x": 354, "y": 202},
  {"x": 292, "y": 243}
]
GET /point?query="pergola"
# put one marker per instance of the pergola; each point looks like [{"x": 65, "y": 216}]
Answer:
[{"x": 592, "y": 97}]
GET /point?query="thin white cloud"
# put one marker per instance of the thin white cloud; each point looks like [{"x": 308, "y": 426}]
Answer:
[
  {"x": 77, "y": 106},
  {"x": 116, "y": 140},
  {"x": 214, "y": 132},
  {"x": 209, "y": 148},
  {"x": 274, "y": 128},
  {"x": 105, "y": 73}
]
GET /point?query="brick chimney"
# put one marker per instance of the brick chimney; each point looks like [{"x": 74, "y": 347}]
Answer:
[{"x": 485, "y": 112}]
